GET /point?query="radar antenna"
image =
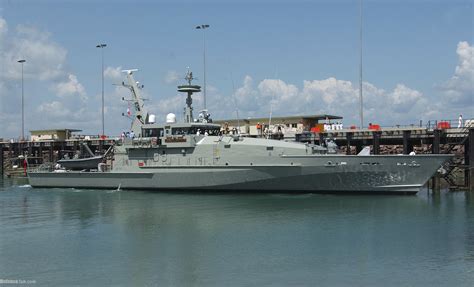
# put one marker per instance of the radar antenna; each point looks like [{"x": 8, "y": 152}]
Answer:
[
  {"x": 189, "y": 77},
  {"x": 189, "y": 89}
]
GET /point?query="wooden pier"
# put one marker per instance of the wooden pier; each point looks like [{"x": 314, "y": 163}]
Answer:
[
  {"x": 458, "y": 141},
  {"x": 46, "y": 151}
]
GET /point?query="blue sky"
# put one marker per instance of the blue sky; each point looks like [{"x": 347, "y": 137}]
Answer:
[{"x": 300, "y": 57}]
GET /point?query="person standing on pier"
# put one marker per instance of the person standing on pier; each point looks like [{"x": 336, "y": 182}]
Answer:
[{"x": 460, "y": 123}]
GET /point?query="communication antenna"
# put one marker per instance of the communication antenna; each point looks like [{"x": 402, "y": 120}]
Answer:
[
  {"x": 129, "y": 71},
  {"x": 360, "y": 68},
  {"x": 235, "y": 102},
  {"x": 189, "y": 89},
  {"x": 271, "y": 104}
]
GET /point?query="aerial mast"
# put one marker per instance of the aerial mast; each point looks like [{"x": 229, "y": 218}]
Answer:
[
  {"x": 141, "y": 114},
  {"x": 360, "y": 68},
  {"x": 189, "y": 88}
]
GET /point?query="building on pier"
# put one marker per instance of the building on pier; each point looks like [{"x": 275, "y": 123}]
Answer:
[
  {"x": 52, "y": 135},
  {"x": 289, "y": 125}
]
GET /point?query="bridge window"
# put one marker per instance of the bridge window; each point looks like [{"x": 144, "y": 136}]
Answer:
[{"x": 152, "y": 132}]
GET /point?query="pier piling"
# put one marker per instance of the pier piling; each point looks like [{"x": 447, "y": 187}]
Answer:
[
  {"x": 406, "y": 142},
  {"x": 10, "y": 150},
  {"x": 51, "y": 152},
  {"x": 376, "y": 142},
  {"x": 348, "y": 144},
  {"x": 321, "y": 139},
  {"x": 436, "y": 141},
  {"x": 469, "y": 160},
  {"x": 435, "y": 182},
  {"x": 40, "y": 150}
]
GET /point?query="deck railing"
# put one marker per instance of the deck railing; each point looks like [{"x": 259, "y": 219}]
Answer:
[
  {"x": 44, "y": 167},
  {"x": 449, "y": 124}
]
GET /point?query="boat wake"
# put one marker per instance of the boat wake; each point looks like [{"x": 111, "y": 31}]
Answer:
[{"x": 24, "y": 186}]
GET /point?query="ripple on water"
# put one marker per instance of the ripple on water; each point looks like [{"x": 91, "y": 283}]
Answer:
[{"x": 55, "y": 236}]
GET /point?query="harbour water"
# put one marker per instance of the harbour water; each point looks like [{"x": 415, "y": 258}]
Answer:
[{"x": 59, "y": 237}]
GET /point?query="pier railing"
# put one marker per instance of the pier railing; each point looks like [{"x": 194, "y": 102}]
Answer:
[{"x": 450, "y": 124}]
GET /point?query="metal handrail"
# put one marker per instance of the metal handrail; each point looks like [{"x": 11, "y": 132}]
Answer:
[
  {"x": 44, "y": 167},
  {"x": 433, "y": 124}
]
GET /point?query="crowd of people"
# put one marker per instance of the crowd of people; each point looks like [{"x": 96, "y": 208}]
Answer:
[
  {"x": 130, "y": 135},
  {"x": 333, "y": 127}
]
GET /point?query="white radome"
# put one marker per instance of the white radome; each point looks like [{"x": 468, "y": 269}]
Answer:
[
  {"x": 170, "y": 118},
  {"x": 152, "y": 119}
]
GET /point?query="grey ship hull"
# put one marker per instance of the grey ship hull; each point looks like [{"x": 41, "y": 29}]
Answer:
[{"x": 299, "y": 174}]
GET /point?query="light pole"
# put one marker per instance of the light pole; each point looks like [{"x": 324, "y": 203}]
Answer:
[
  {"x": 22, "y": 61},
  {"x": 102, "y": 46},
  {"x": 203, "y": 28},
  {"x": 360, "y": 69}
]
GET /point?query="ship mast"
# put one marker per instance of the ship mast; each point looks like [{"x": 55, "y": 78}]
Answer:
[
  {"x": 361, "y": 111},
  {"x": 141, "y": 114},
  {"x": 189, "y": 89}
]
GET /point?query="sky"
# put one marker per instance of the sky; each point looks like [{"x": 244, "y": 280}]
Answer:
[{"x": 280, "y": 57}]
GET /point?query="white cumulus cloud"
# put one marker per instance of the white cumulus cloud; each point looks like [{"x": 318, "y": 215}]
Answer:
[
  {"x": 53, "y": 109},
  {"x": 403, "y": 98},
  {"x": 459, "y": 89},
  {"x": 46, "y": 79},
  {"x": 328, "y": 96},
  {"x": 172, "y": 77},
  {"x": 3, "y": 28},
  {"x": 44, "y": 58},
  {"x": 114, "y": 74},
  {"x": 329, "y": 92},
  {"x": 71, "y": 87}
]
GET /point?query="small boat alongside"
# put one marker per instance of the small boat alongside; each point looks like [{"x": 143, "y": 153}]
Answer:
[
  {"x": 85, "y": 163},
  {"x": 81, "y": 163}
]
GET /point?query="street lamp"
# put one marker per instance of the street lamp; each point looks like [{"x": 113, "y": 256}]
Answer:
[
  {"x": 102, "y": 46},
  {"x": 22, "y": 61},
  {"x": 360, "y": 68},
  {"x": 203, "y": 28}
]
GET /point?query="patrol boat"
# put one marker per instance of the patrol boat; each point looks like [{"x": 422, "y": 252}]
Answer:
[{"x": 196, "y": 155}]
